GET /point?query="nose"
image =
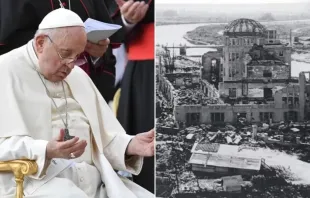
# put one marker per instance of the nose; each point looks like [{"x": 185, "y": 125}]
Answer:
[{"x": 70, "y": 65}]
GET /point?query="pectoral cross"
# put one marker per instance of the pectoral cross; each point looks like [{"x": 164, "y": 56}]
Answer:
[{"x": 67, "y": 135}]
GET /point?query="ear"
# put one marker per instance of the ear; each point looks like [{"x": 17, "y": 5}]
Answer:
[{"x": 39, "y": 42}]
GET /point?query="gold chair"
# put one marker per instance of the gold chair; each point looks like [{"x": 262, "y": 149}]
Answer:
[{"x": 20, "y": 169}]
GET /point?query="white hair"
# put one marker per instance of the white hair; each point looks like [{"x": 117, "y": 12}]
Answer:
[{"x": 51, "y": 32}]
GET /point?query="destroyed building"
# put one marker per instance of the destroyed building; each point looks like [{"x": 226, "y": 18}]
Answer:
[
  {"x": 253, "y": 75},
  {"x": 181, "y": 83},
  {"x": 290, "y": 103},
  {"x": 253, "y": 59},
  {"x": 205, "y": 187},
  {"x": 222, "y": 159},
  {"x": 212, "y": 63}
]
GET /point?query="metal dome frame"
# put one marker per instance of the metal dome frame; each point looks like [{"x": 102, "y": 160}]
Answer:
[{"x": 253, "y": 28}]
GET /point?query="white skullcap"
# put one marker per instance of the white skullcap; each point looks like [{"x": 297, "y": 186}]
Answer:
[{"x": 60, "y": 18}]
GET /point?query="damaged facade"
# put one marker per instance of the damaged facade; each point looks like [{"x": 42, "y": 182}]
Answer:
[
  {"x": 223, "y": 115},
  {"x": 253, "y": 59},
  {"x": 214, "y": 159},
  {"x": 288, "y": 104},
  {"x": 249, "y": 77},
  {"x": 181, "y": 83}
]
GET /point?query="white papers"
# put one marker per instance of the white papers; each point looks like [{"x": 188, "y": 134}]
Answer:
[{"x": 97, "y": 30}]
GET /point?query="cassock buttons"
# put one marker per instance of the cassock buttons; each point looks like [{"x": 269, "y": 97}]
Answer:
[{"x": 81, "y": 179}]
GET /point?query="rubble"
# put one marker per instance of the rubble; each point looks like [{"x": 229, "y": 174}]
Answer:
[
  {"x": 166, "y": 156},
  {"x": 191, "y": 96},
  {"x": 184, "y": 86},
  {"x": 184, "y": 65}
]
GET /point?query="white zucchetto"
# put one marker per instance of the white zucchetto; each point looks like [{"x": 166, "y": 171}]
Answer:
[{"x": 61, "y": 18}]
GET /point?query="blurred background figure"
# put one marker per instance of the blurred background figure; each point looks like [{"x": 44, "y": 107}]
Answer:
[{"x": 136, "y": 104}]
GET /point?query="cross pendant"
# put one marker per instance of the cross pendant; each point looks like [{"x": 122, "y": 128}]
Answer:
[{"x": 67, "y": 135}]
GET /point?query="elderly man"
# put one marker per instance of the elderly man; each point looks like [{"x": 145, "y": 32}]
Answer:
[
  {"x": 19, "y": 20},
  {"x": 52, "y": 113}
]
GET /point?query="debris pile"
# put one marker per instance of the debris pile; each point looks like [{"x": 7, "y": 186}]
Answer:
[{"x": 194, "y": 97}]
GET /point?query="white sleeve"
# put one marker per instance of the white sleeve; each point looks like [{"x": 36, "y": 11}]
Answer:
[
  {"x": 24, "y": 147},
  {"x": 115, "y": 152},
  {"x": 127, "y": 25}
]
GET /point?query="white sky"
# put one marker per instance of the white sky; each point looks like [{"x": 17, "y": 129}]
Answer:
[{"x": 228, "y": 1}]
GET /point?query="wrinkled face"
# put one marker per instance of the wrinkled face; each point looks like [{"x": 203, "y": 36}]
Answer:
[{"x": 57, "y": 53}]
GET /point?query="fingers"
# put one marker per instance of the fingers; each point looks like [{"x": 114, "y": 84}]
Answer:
[
  {"x": 144, "y": 10},
  {"x": 104, "y": 42},
  {"x": 61, "y": 135},
  {"x": 126, "y": 6},
  {"x": 149, "y": 150},
  {"x": 150, "y": 133},
  {"x": 120, "y": 3},
  {"x": 97, "y": 50},
  {"x": 132, "y": 10},
  {"x": 78, "y": 153},
  {"x": 76, "y": 147},
  {"x": 152, "y": 148},
  {"x": 68, "y": 143},
  {"x": 138, "y": 14}
]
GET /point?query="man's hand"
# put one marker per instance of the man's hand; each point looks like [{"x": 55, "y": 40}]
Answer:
[
  {"x": 142, "y": 144},
  {"x": 133, "y": 12},
  {"x": 58, "y": 148},
  {"x": 97, "y": 50}
]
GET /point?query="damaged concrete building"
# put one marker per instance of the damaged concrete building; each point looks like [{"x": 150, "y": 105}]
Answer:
[
  {"x": 212, "y": 63},
  {"x": 222, "y": 159},
  {"x": 253, "y": 61},
  {"x": 290, "y": 103},
  {"x": 256, "y": 65},
  {"x": 181, "y": 83},
  {"x": 249, "y": 77}
]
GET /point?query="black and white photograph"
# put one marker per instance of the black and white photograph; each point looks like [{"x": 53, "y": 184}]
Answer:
[{"x": 232, "y": 98}]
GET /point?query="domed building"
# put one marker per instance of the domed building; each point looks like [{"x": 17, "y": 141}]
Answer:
[
  {"x": 252, "y": 55},
  {"x": 245, "y": 27}
]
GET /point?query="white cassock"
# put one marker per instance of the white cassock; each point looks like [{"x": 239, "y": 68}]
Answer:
[{"x": 28, "y": 120}]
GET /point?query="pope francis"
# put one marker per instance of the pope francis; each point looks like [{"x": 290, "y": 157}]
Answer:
[{"x": 51, "y": 112}]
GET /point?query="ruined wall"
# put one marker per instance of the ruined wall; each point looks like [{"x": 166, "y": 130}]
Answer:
[
  {"x": 243, "y": 40},
  {"x": 251, "y": 89},
  {"x": 207, "y": 64},
  {"x": 208, "y": 89},
  {"x": 281, "y": 52},
  {"x": 183, "y": 79},
  {"x": 186, "y": 70},
  {"x": 233, "y": 64},
  {"x": 277, "y": 72},
  {"x": 303, "y": 96},
  {"x": 230, "y": 112},
  {"x": 167, "y": 89},
  {"x": 224, "y": 88},
  {"x": 257, "y": 89}
]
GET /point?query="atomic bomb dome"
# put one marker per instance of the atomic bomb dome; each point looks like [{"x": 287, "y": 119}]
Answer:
[{"x": 244, "y": 27}]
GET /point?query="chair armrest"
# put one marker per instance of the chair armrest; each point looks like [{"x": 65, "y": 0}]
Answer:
[{"x": 19, "y": 168}]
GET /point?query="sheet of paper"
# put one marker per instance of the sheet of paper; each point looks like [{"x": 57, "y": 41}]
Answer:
[{"x": 97, "y": 30}]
